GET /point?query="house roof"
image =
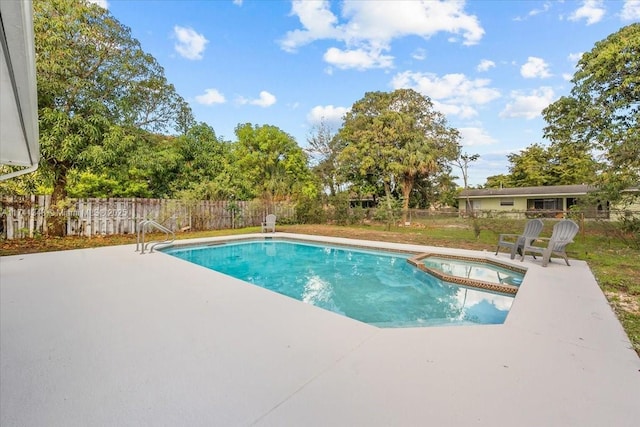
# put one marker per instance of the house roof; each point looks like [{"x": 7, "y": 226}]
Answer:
[
  {"x": 19, "y": 102},
  {"x": 541, "y": 191}
]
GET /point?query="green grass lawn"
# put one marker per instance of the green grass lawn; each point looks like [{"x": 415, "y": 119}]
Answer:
[{"x": 614, "y": 260}]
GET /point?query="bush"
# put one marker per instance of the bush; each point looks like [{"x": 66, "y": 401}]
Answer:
[
  {"x": 310, "y": 211},
  {"x": 341, "y": 208},
  {"x": 388, "y": 211},
  {"x": 358, "y": 214},
  {"x": 630, "y": 226}
]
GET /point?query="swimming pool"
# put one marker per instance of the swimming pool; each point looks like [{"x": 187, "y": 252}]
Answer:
[{"x": 376, "y": 287}]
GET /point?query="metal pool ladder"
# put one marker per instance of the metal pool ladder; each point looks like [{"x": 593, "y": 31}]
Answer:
[{"x": 149, "y": 223}]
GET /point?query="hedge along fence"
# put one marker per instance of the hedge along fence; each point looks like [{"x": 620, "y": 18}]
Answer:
[{"x": 28, "y": 216}]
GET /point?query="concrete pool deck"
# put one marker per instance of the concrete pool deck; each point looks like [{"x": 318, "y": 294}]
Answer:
[{"x": 106, "y": 337}]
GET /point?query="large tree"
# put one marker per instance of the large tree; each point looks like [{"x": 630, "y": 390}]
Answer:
[
  {"x": 272, "y": 163},
  {"x": 603, "y": 110},
  {"x": 323, "y": 149},
  {"x": 94, "y": 81},
  {"x": 396, "y": 139},
  {"x": 529, "y": 167},
  {"x": 205, "y": 165},
  {"x": 560, "y": 163},
  {"x": 462, "y": 162}
]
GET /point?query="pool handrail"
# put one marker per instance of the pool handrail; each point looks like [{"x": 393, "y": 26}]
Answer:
[{"x": 142, "y": 226}]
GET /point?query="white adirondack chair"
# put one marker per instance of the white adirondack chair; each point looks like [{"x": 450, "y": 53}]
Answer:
[
  {"x": 515, "y": 242},
  {"x": 563, "y": 234},
  {"x": 269, "y": 223}
]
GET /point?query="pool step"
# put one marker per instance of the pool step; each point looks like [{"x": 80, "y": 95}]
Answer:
[{"x": 465, "y": 281}]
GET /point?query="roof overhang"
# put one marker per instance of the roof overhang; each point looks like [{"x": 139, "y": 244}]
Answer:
[
  {"x": 537, "y": 192},
  {"x": 511, "y": 196},
  {"x": 19, "y": 101}
]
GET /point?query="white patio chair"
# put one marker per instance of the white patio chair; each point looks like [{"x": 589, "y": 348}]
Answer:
[
  {"x": 269, "y": 223},
  {"x": 563, "y": 233},
  {"x": 515, "y": 242}
]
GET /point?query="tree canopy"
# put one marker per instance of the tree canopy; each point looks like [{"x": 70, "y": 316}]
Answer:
[
  {"x": 323, "y": 149},
  {"x": 112, "y": 126},
  {"x": 394, "y": 140},
  {"x": 603, "y": 110},
  {"x": 272, "y": 163},
  {"x": 89, "y": 64},
  {"x": 96, "y": 90},
  {"x": 560, "y": 163}
]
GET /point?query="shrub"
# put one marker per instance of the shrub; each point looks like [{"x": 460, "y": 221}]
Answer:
[{"x": 309, "y": 211}]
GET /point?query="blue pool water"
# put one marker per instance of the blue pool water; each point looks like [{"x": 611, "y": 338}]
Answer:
[{"x": 375, "y": 287}]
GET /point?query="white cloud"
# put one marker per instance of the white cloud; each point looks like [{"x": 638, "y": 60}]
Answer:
[
  {"x": 357, "y": 58},
  {"x": 388, "y": 20},
  {"x": 533, "y": 12},
  {"x": 367, "y": 28},
  {"x": 330, "y": 114},
  {"x": 489, "y": 164},
  {"x": 575, "y": 57},
  {"x": 485, "y": 65},
  {"x": 265, "y": 100},
  {"x": 190, "y": 44},
  {"x": 545, "y": 7},
  {"x": 463, "y": 111},
  {"x": 474, "y": 136},
  {"x": 630, "y": 10},
  {"x": 535, "y": 67},
  {"x": 237, "y": 2},
  {"x": 453, "y": 94},
  {"x": 528, "y": 106},
  {"x": 591, "y": 10},
  {"x": 318, "y": 22},
  {"x": 102, "y": 3},
  {"x": 419, "y": 54},
  {"x": 210, "y": 97}
]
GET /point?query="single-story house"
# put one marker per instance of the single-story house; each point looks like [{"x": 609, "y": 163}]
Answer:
[{"x": 549, "y": 201}]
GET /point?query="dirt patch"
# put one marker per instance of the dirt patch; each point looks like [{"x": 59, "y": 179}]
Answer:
[{"x": 628, "y": 303}]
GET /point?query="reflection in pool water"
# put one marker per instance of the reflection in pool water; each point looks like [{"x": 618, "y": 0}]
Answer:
[
  {"x": 372, "y": 286},
  {"x": 475, "y": 270}
]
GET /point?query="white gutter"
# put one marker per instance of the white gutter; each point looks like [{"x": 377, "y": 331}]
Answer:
[
  {"x": 19, "y": 131},
  {"x": 18, "y": 172}
]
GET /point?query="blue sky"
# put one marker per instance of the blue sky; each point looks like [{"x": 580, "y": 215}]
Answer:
[{"x": 489, "y": 66}]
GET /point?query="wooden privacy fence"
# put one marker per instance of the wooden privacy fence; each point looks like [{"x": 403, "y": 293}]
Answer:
[{"x": 29, "y": 216}]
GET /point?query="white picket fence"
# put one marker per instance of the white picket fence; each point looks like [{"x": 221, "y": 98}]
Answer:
[{"x": 28, "y": 216}]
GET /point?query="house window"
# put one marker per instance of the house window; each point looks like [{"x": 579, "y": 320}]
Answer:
[
  {"x": 571, "y": 201},
  {"x": 472, "y": 205},
  {"x": 506, "y": 202},
  {"x": 544, "y": 204}
]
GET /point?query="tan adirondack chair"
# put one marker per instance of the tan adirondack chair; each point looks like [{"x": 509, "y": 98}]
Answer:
[
  {"x": 269, "y": 223},
  {"x": 563, "y": 233},
  {"x": 515, "y": 242}
]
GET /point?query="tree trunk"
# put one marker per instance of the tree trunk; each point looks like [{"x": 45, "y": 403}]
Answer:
[
  {"x": 267, "y": 198},
  {"x": 332, "y": 187},
  {"x": 58, "y": 219},
  {"x": 407, "y": 186},
  {"x": 387, "y": 192}
]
